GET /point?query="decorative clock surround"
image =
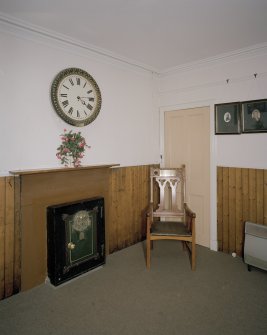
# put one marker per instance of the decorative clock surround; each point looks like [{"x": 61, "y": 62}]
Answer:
[{"x": 76, "y": 97}]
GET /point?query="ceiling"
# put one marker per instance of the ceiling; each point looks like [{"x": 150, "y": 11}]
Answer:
[{"x": 155, "y": 34}]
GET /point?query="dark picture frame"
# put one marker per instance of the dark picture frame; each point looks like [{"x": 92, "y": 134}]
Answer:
[
  {"x": 254, "y": 116},
  {"x": 227, "y": 118}
]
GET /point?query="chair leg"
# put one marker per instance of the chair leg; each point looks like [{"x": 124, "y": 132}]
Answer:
[
  {"x": 148, "y": 247},
  {"x": 193, "y": 256}
]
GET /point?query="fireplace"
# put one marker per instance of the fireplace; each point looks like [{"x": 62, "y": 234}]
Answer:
[{"x": 75, "y": 238}]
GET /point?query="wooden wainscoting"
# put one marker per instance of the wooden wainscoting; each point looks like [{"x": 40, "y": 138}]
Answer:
[
  {"x": 10, "y": 243},
  {"x": 129, "y": 191},
  {"x": 241, "y": 197}
]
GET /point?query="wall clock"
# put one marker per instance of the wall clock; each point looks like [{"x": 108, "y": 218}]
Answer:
[{"x": 76, "y": 97}]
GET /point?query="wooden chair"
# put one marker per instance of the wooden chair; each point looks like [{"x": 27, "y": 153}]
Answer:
[{"x": 171, "y": 218}]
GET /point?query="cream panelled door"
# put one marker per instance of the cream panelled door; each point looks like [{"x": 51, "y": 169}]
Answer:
[{"x": 187, "y": 141}]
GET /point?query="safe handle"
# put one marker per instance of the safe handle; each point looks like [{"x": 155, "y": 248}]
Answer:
[{"x": 71, "y": 246}]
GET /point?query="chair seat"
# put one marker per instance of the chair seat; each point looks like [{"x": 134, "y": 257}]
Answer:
[{"x": 169, "y": 228}]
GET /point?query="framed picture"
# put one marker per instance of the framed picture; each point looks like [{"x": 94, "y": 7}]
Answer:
[
  {"x": 254, "y": 116},
  {"x": 227, "y": 118}
]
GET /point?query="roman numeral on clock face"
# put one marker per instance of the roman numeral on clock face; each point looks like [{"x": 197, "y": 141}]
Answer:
[{"x": 65, "y": 103}]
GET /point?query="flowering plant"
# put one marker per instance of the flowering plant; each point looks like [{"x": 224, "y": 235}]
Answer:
[{"x": 72, "y": 148}]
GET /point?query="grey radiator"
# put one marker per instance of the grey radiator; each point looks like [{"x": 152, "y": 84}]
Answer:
[{"x": 255, "y": 247}]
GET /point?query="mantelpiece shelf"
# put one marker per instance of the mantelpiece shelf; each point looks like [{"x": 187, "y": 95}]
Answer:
[{"x": 61, "y": 169}]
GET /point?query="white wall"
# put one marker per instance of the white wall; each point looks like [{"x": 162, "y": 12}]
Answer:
[{"x": 124, "y": 131}]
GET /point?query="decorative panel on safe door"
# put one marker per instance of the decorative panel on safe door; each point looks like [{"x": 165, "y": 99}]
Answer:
[{"x": 75, "y": 238}]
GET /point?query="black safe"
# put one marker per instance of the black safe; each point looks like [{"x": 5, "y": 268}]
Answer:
[{"x": 75, "y": 239}]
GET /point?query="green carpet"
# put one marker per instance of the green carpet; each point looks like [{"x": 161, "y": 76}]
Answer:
[{"x": 220, "y": 297}]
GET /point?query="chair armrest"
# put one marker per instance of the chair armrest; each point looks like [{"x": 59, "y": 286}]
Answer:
[
  {"x": 189, "y": 212},
  {"x": 190, "y": 219},
  {"x": 149, "y": 216},
  {"x": 149, "y": 210}
]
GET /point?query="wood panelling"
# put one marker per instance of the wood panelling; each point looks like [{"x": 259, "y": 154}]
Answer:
[
  {"x": 129, "y": 188},
  {"x": 10, "y": 270},
  {"x": 241, "y": 197},
  {"x": 2, "y": 235},
  {"x": 23, "y": 203},
  {"x": 17, "y": 240}
]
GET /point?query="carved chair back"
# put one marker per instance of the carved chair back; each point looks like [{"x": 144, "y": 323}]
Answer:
[{"x": 171, "y": 184}]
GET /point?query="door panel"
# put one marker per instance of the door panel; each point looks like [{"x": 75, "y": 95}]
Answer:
[{"x": 187, "y": 141}]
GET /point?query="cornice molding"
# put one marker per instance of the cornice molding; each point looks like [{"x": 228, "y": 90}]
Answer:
[
  {"x": 91, "y": 49},
  {"x": 249, "y": 52},
  {"x": 39, "y": 31}
]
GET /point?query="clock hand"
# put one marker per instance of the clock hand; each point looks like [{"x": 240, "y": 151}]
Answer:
[
  {"x": 79, "y": 98},
  {"x": 84, "y": 103}
]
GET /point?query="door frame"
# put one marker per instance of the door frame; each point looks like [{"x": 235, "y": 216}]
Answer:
[{"x": 213, "y": 168}]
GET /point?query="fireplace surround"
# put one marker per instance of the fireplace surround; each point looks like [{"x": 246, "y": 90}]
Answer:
[{"x": 35, "y": 191}]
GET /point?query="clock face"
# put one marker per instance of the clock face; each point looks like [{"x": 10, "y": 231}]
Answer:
[{"x": 76, "y": 97}]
